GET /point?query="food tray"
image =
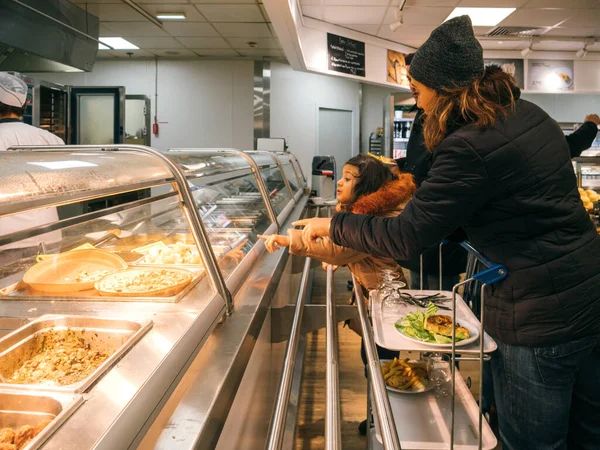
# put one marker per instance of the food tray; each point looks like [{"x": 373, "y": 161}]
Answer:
[
  {"x": 28, "y": 408},
  {"x": 165, "y": 292},
  {"x": 131, "y": 242},
  {"x": 116, "y": 335},
  {"x": 51, "y": 275},
  {"x": 388, "y": 337}
]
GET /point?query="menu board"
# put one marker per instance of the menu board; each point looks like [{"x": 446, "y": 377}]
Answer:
[
  {"x": 396, "y": 68},
  {"x": 550, "y": 75},
  {"x": 345, "y": 55},
  {"x": 514, "y": 67}
]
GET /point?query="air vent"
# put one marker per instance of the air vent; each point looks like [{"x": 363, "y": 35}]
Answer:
[{"x": 517, "y": 31}]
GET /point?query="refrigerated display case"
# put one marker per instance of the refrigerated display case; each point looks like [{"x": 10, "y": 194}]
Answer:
[{"x": 143, "y": 284}]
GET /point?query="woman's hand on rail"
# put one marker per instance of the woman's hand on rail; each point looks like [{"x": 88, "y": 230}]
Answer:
[
  {"x": 275, "y": 241},
  {"x": 314, "y": 228}
]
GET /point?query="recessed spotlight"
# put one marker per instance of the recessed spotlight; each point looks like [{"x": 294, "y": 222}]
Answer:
[
  {"x": 483, "y": 17},
  {"x": 500, "y": 42},
  {"x": 118, "y": 43},
  {"x": 252, "y": 44},
  {"x": 170, "y": 16}
]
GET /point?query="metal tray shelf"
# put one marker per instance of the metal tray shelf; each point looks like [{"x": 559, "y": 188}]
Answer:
[{"x": 116, "y": 335}]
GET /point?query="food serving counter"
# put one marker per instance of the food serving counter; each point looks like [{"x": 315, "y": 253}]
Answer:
[{"x": 111, "y": 308}]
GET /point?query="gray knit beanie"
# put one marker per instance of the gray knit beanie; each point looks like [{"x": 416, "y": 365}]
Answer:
[{"x": 451, "y": 57}]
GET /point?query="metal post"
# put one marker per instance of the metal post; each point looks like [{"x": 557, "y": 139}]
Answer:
[
  {"x": 421, "y": 271},
  {"x": 440, "y": 256},
  {"x": 481, "y": 346},
  {"x": 383, "y": 410},
  {"x": 333, "y": 433},
  {"x": 277, "y": 426},
  {"x": 187, "y": 203}
]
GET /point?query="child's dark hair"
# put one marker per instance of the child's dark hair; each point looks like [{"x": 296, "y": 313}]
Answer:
[{"x": 372, "y": 174}]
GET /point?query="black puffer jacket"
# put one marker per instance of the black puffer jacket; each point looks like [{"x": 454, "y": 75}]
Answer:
[{"x": 513, "y": 190}]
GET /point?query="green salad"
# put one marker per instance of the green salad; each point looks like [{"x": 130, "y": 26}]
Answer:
[{"x": 413, "y": 324}]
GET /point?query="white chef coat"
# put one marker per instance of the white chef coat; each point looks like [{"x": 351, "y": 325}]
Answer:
[{"x": 19, "y": 133}]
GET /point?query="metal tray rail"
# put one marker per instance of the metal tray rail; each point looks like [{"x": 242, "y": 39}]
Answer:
[{"x": 114, "y": 335}]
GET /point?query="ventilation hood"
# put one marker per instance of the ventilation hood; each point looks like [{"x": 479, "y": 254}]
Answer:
[{"x": 47, "y": 36}]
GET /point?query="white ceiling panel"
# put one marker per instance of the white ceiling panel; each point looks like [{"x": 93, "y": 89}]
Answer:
[
  {"x": 158, "y": 42},
  {"x": 584, "y": 18},
  {"x": 190, "y": 29},
  {"x": 262, "y": 42},
  {"x": 310, "y": 2},
  {"x": 316, "y": 12},
  {"x": 140, "y": 29},
  {"x": 344, "y": 15},
  {"x": 172, "y": 52},
  {"x": 214, "y": 52},
  {"x": 447, "y": 3},
  {"x": 94, "y": 1},
  {"x": 115, "y": 13},
  {"x": 191, "y": 13},
  {"x": 263, "y": 11},
  {"x": 122, "y": 54},
  {"x": 493, "y": 3},
  {"x": 159, "y": 1},
  {"x": 260, "y": 52},
  {"x": 536, "y": 18},
  {"x": 200, "y": 42},
  {"x": 231, "y": 13},
  {"x": 570, "y": 4},
  {"x": 572, "y": 32},
  {"x": 418, "y": 16},
  {"x": 355, "y": 2},
  {"x": 369, "y": 29},
  {"x": 243, "y": 29},
  {"x": 222, "y": 2},
  {"x": 418, "y": 33}
]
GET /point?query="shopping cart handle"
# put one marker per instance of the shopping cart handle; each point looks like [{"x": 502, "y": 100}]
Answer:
[{"x": 494, "y": 272}]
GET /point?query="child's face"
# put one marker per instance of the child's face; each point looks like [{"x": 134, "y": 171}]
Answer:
[{"x": 345, "y": 185}]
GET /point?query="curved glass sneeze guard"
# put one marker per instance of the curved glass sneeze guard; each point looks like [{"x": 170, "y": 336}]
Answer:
[
  {"x": 231, "y": 205},
  {"x": 274, "y": 181},
  {"x": 290, "y": 171}
]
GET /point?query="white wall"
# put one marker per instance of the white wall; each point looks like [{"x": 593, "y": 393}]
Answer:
[
  {"x": 295, "y": 99},
  {"x": 200, "y": 103},
  {"x": 372, "y": 111}
]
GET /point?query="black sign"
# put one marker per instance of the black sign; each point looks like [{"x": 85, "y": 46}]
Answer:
[{"x": 345, "y": 55}]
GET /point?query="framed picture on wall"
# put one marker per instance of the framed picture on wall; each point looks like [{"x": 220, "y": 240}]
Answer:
[
  {"x": 550, "y": 75},
  {"x": 514, "y": 67},
  {"x": 396, "y": 68}
]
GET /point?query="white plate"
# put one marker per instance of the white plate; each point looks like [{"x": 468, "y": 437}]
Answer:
[
  {"x": 473, "y": 332},
  {"x": 429, "y": 387}
]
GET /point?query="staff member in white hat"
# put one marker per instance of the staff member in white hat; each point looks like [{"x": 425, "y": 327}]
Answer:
[{"x": 13, "y": 98}]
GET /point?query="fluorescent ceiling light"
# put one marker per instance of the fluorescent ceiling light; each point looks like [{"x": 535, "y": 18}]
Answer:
[
  {"x": 483, "y": 17},
  {"x": 170, "y": 16},
  {"x": 117, "y": 43}
]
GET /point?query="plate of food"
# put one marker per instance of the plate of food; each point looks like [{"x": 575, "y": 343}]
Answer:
[
  {"x": 428, "y": 327},
  {"x": 406, "y": 376}
]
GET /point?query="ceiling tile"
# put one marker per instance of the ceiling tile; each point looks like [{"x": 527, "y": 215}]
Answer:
[
  {"x": 493, "y": 3},
  {"x": 191, "y": 13},
  {"x": 139, "y": 29},
  {"x": 448, "y": 3},
  {"x": 369, "y": 29},
  {"x": 259, "y": 52},
  {"x": 202, "y": 42},
  {"x": 122, "y": 54},
  {"x": 105, "y": 32},
  {"x": 418, "y": 33},
  {"x": 223, "y": 1},
  {"x": 584, "y": 18},
  {"x": 172, "y": 52},
  {"x": 571, "y": 4},
  {"x": 316, "y": 12},
  {"x": 354, "y": 14},
  {"x": 573, "y": 32},
  {"x": 160, "y": 1},
  {"x": 215, "y": 52},
  {"x": 415, "y": 16},
  {"x": 160, "y": 42},
  {"x": 194, "y": 29},
  {"x": 262, "y": 42},
  {"x": 115, "y": 13},
  {"x": 536, "y": 18},
  {"x": 310, "y": 2},
  {"x": 356, "y": 2},
  {"x": 243, "y": 29},
  {"x": 94, "y": 1},
  {"x": 231, "y": 13}
]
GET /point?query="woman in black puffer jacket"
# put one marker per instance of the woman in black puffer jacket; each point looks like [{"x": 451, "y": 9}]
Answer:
[{"x": 502, "y": 171}]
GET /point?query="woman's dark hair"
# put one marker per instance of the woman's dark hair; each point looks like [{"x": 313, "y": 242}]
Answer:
[
  {"x": 372, "y": 174},
  {"x": 486, "y": 100},
  {"x": 408, "y": 58},
  {"x": 7, "y": 110}
]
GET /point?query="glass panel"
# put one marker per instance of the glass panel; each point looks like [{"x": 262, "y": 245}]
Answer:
[
  {"x": 96, "y": 119},
  {"x": 290, "y": 174},
  {"x": 280, "y": 196},
  {"x": 151, "y": 236},
  {"x": 135, "y": 121}
]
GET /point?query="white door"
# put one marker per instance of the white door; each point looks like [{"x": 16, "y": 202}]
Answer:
[{"x": 335, "y": 135}]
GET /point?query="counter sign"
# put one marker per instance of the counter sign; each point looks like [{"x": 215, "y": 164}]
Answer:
[{"x": 345, "y": 55}]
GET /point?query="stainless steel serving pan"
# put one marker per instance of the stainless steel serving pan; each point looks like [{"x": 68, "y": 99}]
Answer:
[
  {"x": 30, "y": 408},
  {"x": 114, "y": 335}
]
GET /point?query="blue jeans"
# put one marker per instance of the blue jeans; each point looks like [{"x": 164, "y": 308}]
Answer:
[
  {"x": 548, "y": 398},
  {"x": 432, "y": 282}
]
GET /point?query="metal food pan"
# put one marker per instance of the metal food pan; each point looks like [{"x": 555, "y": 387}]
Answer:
[
  {"x": 30, "y": 408},
  {"x": 132, "y": 242},
  {"x": 114, "y": 335}
]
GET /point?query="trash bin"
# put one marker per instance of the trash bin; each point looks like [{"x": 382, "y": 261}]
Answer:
[{"x": 323, "y": 177}]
